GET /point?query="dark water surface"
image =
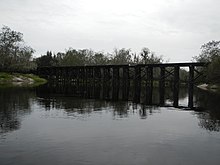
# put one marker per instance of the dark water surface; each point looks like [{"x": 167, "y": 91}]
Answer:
[{"x": 55, "y": 129}]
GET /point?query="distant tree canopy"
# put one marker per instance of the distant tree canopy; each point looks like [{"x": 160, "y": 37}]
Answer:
[
  {"x": 46, "y": 60},
  {"x": 149, "y": 57},
  {"x": 210, "y": 52},
  {"x": 120, "y": 57},
  {"x": 14, "y": 54},
  {"x": 73, "y": 57}
]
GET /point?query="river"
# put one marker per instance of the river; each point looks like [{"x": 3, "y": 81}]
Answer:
[{"x": 41, "y": 127}]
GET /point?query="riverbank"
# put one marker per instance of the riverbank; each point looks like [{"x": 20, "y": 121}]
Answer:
[
  {"x": 210, "y": 87},
  {"x": 18, "y": 79}
]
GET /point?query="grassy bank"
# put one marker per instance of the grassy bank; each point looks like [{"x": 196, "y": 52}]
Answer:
[{"x": 18, "y": 79}]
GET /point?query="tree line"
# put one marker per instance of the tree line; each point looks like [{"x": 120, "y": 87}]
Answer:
[
  {"x": 15, "y": 55},
  {"x": 73, "y": 57}
]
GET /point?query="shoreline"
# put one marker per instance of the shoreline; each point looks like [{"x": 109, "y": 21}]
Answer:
[
  {"x": 209, "y": 87},
  {"x": 20, "y": 80}
]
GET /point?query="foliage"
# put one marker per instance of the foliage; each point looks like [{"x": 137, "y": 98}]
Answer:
[
  {"x": 73, "y": 57},
  {"x": 210, "y": 52},
  {"x": 213, "y": 72},
  {"x": 121, "y": 57},
  {"x": 98, "y": 59},
  {"x": 149, "y": 57},
  {"x": 5, "y": 76},
  {"x": 10, "y": 79},
  {"x": 183, "y": 75},
  {"x": 46, "y": 60},
  {"x": 36, "y": 79},
  {"x": 14, "y": 54}
]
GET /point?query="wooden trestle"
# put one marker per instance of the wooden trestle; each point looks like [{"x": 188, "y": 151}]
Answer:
[{"x": 141, "y": 78}]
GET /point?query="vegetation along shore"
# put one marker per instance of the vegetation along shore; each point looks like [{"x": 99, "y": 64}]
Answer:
[{"x": 18, "y": 79}]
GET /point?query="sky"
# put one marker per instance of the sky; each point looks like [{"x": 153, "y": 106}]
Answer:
[{"x": 175, "y": 29}]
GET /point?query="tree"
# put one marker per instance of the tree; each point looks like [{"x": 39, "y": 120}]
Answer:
[
  {"x": 121, "y": 56},
  {"x": 47, "y": 60},
  {"x": 136, "y": 59},
  {"x": 213, "y": 71},
  {"x": 73, "y": 57},
  {"x": 210, "y": 52},
  {"x": 14, "y": 55},
  {"x": 98, "y": 59},
  {"x": 149, "y": 57}
]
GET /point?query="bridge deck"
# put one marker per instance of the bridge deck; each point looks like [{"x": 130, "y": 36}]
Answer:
[{"x": 196, "y": 64}]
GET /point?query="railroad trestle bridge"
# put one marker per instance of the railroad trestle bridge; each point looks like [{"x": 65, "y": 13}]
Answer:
[{"x": 141, "y": 78}]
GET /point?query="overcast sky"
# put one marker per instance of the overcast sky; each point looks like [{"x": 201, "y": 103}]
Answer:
[{"x": 175, "y": 29}]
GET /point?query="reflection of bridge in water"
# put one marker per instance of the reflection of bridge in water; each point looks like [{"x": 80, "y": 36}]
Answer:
[{"x": 125, "y": 81}]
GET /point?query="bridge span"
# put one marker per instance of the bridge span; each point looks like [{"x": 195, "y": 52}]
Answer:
[{"x": 141, "y": 78}]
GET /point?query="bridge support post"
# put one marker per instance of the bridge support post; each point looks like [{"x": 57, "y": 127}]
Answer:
[
  {"x": 82, "y": 80},
  {"x": 162, "y": 85},
  {"x": 191, "y": 86},
  {"x": 106, "y": 82},
  {"x": 125, "y": 83},
  {"x": 89, "y": 82},
  {"x": 51, "y": 75},
  {"x": 137, "y": 84},
  {"x": 116, "y": 83},
  {"x": 97, "y": 84},
  {"x": 86, "y": 81},
  {"x": 57, "y": 73},
  {"x": 63, "y": 76},
  {"x": 176, "y": 86},
  {"x": 149, "y": 85},
  {"x": 68, "y": 78}
]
